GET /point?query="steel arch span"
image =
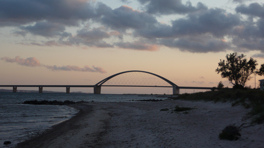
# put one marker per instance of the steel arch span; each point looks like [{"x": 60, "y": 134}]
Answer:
[{"x": 97, "y": 87}]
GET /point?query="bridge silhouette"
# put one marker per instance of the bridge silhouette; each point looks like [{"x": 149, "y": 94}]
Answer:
[{"x": 97, "y": 87}]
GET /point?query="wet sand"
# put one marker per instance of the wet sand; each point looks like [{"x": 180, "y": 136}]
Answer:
[{"x": 142, "y": 124}]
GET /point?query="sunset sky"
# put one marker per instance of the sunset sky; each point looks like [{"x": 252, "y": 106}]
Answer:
[{"x": 80, "y": 42}]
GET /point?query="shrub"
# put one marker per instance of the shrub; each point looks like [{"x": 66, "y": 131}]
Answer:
[
  {"x": 180, "y": 109},
  {"x": 164, "y": 109},
  {"x": 230, "y": 132},
  {"x": 220, "y": 85}
]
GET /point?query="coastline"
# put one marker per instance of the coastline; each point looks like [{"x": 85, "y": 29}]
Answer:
[
  {"x": 57, "y": 130},
  {"x": 142, "y": 124}
]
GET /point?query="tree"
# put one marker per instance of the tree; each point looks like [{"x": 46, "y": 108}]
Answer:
[
  {"x": 237, "y": 69},
  {"x": 261, "y": 70},
  {"x": 220, "y": 85}
]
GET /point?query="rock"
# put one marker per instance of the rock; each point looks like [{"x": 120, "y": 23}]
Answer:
[{"x": 7, "y": 142}]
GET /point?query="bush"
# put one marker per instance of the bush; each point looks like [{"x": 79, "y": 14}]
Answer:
[
  {"x": 220, "y": 85},
  {"x": 164, "y": 109},
  {"x": 230, "y": 132},
  {"x": 180, "y": 109}
]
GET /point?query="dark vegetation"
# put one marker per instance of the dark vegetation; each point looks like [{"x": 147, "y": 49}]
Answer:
[
  {"x": 252, "y": 99},
  {"x": 178, "y": 109},
  {"x": 165, "y": 109},
  {"x": 181, "y": 109},
  {"x": 150, "y": 100},
  {"x": 237, "y": 69},
  {"x": 230, "y": 132},
  {"x": 46, "y": 102}
]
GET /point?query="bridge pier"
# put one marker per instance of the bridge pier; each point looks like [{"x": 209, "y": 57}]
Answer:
[
  {"x": 97, "y": 89},
  {"x": 67, "y": 90},
  {"x": 175, "y": 90},
  {"x": 14, "y": 89},
  {"x": 40, "y": 89}
]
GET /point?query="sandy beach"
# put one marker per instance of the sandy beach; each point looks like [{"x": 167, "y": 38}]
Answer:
[{"x": 142, "y": 124}]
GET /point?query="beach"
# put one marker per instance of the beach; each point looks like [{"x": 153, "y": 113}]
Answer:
[{"x": 143, "y": 124}]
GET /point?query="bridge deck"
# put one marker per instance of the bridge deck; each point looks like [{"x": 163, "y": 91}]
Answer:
[
  {"x": 180, "y": 87},
  {"x": 46, "y": 85},
  {"x": 187, "y": 87},
  {"x": 134, "y": 86},
  {"x": 99, "y": 87}
]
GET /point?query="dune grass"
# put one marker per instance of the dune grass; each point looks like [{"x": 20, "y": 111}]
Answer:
[{"x": 252, "y": 99}]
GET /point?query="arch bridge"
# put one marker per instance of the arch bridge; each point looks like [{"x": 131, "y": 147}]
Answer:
[{"x": 97, "y": 87}]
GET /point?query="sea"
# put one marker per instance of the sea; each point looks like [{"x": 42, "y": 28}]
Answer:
[{"x": 19, "y": 122}]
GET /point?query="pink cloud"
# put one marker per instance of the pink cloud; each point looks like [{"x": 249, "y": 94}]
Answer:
[
  {"x": 99, "y": 69},
  {"x": 198, "y": 82},
  {"x": 75, "y": 68},
  {"x": 34, "y": 62},
  {"x": 31, "y": 61},
  {"x": 137, "y": 46}
]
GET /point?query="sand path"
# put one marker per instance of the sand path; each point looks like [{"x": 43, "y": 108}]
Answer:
[{"x": 142, "y": 124}]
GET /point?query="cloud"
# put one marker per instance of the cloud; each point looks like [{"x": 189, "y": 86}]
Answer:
[
  {"x": 213, "y": 21},
  {"x": 75, "y": 68},
  {"x": 201, "y": 32},
  {"x": 126, "y": 1},
  {"x": 51, "y": 43},
  {"x": 250, "y": 44},
  {"x": 259, "y": 55},
  {"x": 199, "y": 29},
  {"x": 34, "y": 62},
  {"x": 170, "y": 6},
  {"x": 239, "y": 1},
  {"x": 137, "y": 46},
  {"x": 197, "y": 82},
  {"x": 92, "y": 37},
  {"x": 254, "y": 9},
  {"x": 44, "y": 28},
  {"x": 249, "y": 35},
  {"x": 197, "y": 44},
  {"x": 156, "y": 31},
  {"x": 67, "y": 12},
  {"x": 125, "y": 17}
]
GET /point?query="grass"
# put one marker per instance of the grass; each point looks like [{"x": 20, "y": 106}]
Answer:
[
  {"x": 181, "y": 109},
  {"x": 178, "y": 109},
  {"x": 164, "y": 109},
  {"x": 249, "y": 98}
]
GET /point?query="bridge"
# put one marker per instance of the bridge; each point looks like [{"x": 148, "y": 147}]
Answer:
[{"x": 97, "y": 87}]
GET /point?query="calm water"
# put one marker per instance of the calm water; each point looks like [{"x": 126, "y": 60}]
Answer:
[{"x": 19, "y": 122}]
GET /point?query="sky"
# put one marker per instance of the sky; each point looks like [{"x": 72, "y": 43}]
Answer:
[{"x": 81, "y": 42}]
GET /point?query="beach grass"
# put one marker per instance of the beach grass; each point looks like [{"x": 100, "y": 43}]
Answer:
[
  {"x": 181, "y": 109},
  {"x": 252, "y": 99}
]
